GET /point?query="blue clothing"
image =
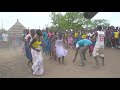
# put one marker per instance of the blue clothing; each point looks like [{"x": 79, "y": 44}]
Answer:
[
  {"x": 1, "y": 37},
  {"x": 112, "y": 34},
  {"x": 28, "y": 52},
  {"x": 119, "y": 40},
  {"x": 80, "y": 37},
  {"x": 84, "y": 42},
  {"x": 47, "y": 46},
  {"x": 76, "y": 40},
  {"x": 94, "y": 42},
  {"x": 45, "y": 35}
]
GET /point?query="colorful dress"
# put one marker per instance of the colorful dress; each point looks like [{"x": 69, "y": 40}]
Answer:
[{"x": 37, "y": 66}]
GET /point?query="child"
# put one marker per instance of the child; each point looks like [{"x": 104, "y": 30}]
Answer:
[{"x": 60, "y": 51}]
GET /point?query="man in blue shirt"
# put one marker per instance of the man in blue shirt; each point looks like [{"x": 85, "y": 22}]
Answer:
[{"x": 83, "y": 45}]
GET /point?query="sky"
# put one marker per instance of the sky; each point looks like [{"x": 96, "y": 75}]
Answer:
[{"x": 42, "y": 19}]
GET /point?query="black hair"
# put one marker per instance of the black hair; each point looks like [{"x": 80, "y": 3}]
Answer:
[
  {"x": 99, "y": 27},
  {"x": 39, "y": 32},
  {"x": 26, "y": 30},
  {"x": 32, "y": 31},
  {"x": 60, "y": 36},
  {"x": 116, "y": 27},
  {"x": 47, "y": 30}
]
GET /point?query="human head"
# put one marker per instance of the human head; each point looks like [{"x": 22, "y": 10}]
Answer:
[
  {"x": 27, "y": 31},
  {"x": 99, "y": 28},
  {"x": 38, "y": 32},
  {"x": 47, "y": 30},
  {"x": 60, "y": 36},
  {"x": 32, "y": 32}
]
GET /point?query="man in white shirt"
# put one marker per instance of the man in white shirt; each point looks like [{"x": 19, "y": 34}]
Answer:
[
  {"x": 5, "y": 39},
  {"x": 99, "y": 46}
]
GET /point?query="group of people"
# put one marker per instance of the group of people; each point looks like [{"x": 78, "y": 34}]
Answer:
[
  {"x": 95, "y": 44},
  {"x": 51, "y": 45},
  {"x": 112, "y": 37},
  {"x": 7, "y": 40},
  {"x": 31, "y": 44},
  {"x": 4, "y": 39},
  {"x": 54, "y": 45}
]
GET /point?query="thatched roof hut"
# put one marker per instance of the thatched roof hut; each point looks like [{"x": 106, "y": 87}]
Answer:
[{"x": 17, "y": 29}]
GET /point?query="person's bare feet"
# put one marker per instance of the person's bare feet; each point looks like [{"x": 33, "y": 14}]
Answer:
[
  {"x": 97, "y": 65},
  {"x": 82, "y": 65}
]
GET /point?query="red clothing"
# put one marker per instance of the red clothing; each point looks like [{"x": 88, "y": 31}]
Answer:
[{"x": 49, "y": 34}]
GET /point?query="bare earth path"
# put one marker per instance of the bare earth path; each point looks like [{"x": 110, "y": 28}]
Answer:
[{"x": 13, "y": 64}]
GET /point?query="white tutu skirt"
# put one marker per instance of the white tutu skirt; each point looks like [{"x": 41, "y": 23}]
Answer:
[{"x": 60, "y": 51}]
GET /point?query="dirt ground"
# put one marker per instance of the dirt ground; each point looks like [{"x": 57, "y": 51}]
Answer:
[{"x": 13, "y": 64}]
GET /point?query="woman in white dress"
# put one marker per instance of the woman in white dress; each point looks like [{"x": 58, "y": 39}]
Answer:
[{"x": 60, "y": 51}]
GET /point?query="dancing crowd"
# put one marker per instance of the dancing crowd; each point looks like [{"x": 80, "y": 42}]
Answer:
[{"x": 55, "y": 44}]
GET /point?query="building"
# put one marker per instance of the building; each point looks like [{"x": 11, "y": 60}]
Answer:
[{"x": 16, "y": 29}]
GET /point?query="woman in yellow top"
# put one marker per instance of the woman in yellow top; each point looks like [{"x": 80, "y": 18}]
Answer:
[
  {"x": 84, "y": 36},
  {"x": 76, "y": 34},
  {"x": 116, "y": 36},
  {"x": 37, "y": 67}
]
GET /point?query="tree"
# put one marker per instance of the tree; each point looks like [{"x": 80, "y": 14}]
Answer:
[
  {"x": 88, "y": 24},
  {"x": 102, "y": 22},
  {"x": 71, "y": 20},
  {"x": 75, "y": 21},
  {"x": 55, "y": 17},
  {"x": 2, "y": 30}
]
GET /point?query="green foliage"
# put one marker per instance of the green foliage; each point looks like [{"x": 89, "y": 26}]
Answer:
[
  {"x": 75, "y": 21},
  {"x": 101, "y": 22},
  {"x": 2, "y": 30}
]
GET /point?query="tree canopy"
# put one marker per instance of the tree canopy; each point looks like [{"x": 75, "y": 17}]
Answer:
[
  {"x": 2, "y": 30},
  {"x": 75, "y": 21}
]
